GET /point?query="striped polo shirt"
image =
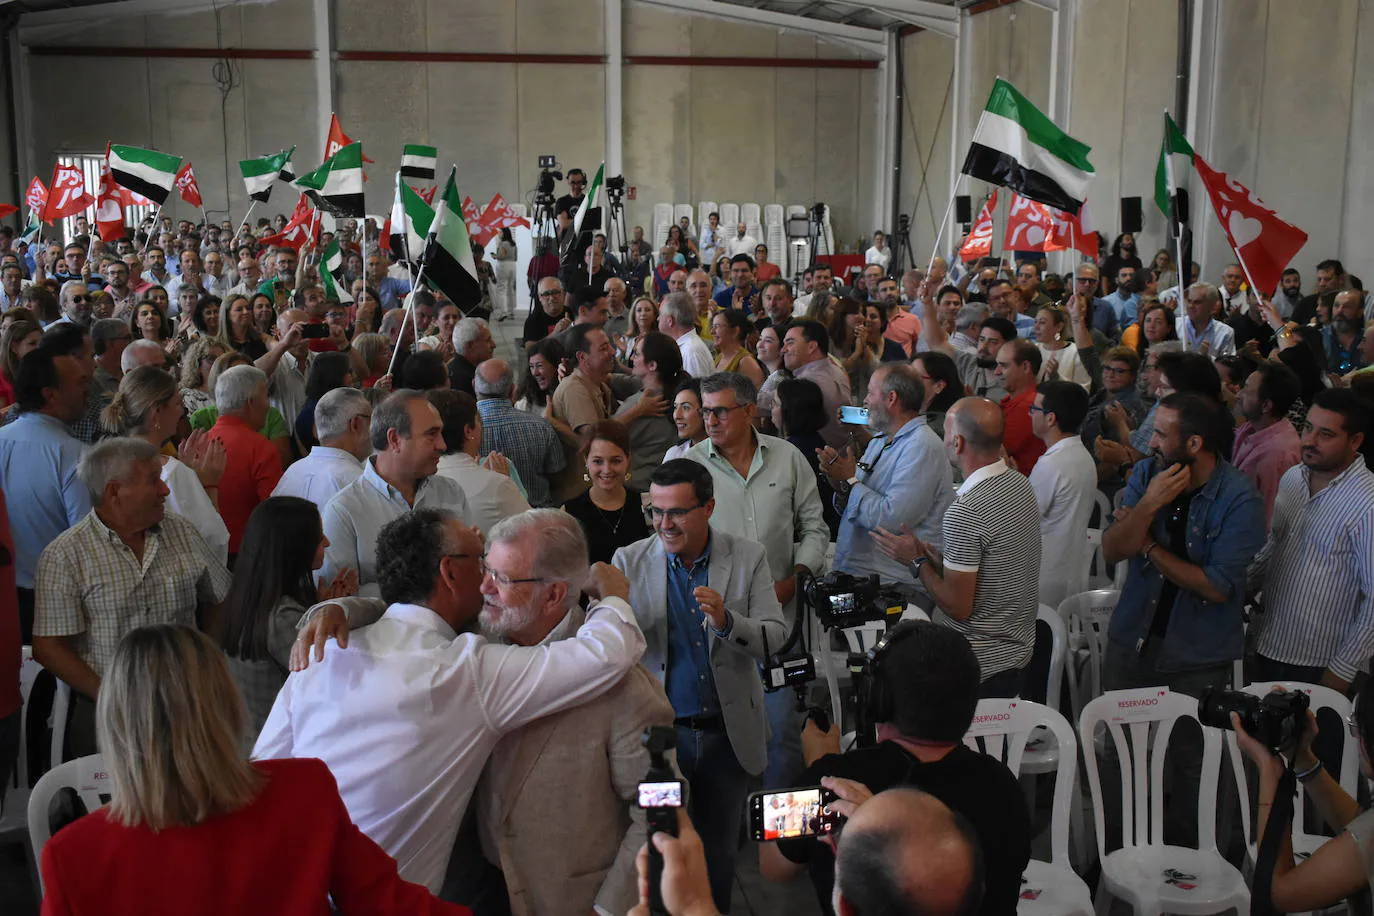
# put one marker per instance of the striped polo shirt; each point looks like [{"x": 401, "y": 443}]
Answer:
[{"x": 993, "y": 528}]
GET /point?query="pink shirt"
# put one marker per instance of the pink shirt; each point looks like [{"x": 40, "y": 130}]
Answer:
[{"x": 1263, "y": 455}]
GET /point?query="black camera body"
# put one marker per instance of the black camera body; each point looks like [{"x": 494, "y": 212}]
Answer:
[
  {"x": 615, "y": 183},
  {"x": 842, "y": 600},
  {"x": 1275, "y": 719},
  {"x": 660, "y": 795}
]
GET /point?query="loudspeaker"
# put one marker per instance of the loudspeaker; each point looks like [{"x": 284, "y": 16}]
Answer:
[
  {"x": 963, "y": 209},
  {"x": 1130, "y": 214}
]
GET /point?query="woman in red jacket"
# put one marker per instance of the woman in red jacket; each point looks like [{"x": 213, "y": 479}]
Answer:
[{"x": 195, "y": 828}]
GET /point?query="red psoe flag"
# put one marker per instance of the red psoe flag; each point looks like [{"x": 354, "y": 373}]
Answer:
[
  {"x": 67, "y": 195},
  {"x": 1262, "y": 241},
  {"x": 36, "y": 197},
  {"x": 7, "y": 209},
  {"x": 979, "y": 241},
  {"x": 500, "y": 215},
  {"x": 337, "y": 139},
  {"x": 109, "y": 207},
  {"x": 187, "y": 186},
  {"x": 427, "y": 194},
  {"x": 1028, "y": 225},
  {"x": 300, "y": 228},
  {"x": 1072, "y": 230}
]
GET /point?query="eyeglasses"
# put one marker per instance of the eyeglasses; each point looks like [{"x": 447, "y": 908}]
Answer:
[
  {"x": 1116, "y": 370},
  {"x": 81, "y": 298},
  {"x": 1085, "y": 279},
  {"x": 503, "y": 580},
  {"x": 1035, "y": 409},
  {"x": 675, "y": 515},
  {"x": 720, "y": 413},
  {"x": 550, "y": 293}
]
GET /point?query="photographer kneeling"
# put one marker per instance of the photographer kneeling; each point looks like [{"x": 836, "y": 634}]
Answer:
[
  {"x": 1343, "y": 865},
  {"x": 926, "y": 685}
]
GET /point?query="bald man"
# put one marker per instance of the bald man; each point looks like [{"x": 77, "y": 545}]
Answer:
[{"x": 903, "y": 851}]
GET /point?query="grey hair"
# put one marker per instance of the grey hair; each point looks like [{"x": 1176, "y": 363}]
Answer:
[
  {"x": 680, "y": 308},
  {"x": 1208, "y": 292},
  {"x": 493, "y": 389},
  {"x": 66, "y": 287},
  {"x": 902, "y": 379},
  {"x": 104, "y": 330},
  {"x": 336, "y": 410},
  {"x": 970, "y": 316},
  {"x": 745, "y": 392},
  {"x": 1166, "y": 346},
  {"x": 982, "y": 439},
  {"x": 237, "y": 386},
  {"x": 128, "y": 360},
  {"x": 556, "y": 543},
  {"x": 392, "y": 320},
  {"x": 111, "y": 460},
  {"x": 393, "y": 413},
  {"x": 466, "y": 331}
]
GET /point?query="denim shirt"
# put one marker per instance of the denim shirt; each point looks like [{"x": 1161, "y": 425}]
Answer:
[
  {"x": 689, "y": 682},
  {"x": 1226, "y": 528}
]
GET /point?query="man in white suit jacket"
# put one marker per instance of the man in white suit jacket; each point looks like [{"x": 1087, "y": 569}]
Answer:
[{"x": 706, "y": 604}]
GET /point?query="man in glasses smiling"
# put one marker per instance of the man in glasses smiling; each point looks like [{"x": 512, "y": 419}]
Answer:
[
  {"x": 75, "y": 300},
  {"x": 706, "y": 604}
]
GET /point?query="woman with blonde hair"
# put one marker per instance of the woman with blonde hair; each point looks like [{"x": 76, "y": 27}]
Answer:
[
  {"x": 194, "y": 827},
  {"x": 375, "y": 352},
  {"x": 196, "y": 363},
  {"x": 1058, "y": 355},
  {"x": 148, "y": 406}
]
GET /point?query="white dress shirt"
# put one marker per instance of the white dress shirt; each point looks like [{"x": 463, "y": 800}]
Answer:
[
  {"x": 217, "y": 286},
  {"x": 319, "y": 475},
  {"x": 491, "y": 496},
  {"x": 407, "y": 715},
  {"x": 1065, "y": 484},
  {"x": 287, "y": 391},
  {"x": 696, "y": 356},
  {"x": 357, "y": 513},
  {"x": 737, "y": 245},
  {"x": 880, "y": 256}
]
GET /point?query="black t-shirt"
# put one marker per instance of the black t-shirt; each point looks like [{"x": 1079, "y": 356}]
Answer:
[
  {"x": 1176, "y": 529},
  {"x": 980, "y": 788},
  {"x": 538, "y": 324},
  {"x": 567, "y": 204}
]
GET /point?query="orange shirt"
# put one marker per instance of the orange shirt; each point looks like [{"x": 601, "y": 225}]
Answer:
[
  {"x": 252, "y": 468},
  {"x": 1018, "y": 437}
]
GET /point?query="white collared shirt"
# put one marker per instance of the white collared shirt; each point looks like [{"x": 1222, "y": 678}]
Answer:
[
  {"x": 696, "y": 356},
  {"x": 319, "y": 475},
  {"x": 358, "y": 512},
  {"x": 1065, "y": 484},
  {"x": 491, "y": 496},
  {"x": 986, "y": 472},
  {"x": 407, "y": 715}
]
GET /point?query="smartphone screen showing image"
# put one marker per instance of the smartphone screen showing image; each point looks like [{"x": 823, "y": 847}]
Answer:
[{"x": 792, "y": 813}]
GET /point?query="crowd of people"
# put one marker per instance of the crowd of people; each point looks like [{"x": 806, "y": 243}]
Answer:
[{"x": 209, "y": 467}]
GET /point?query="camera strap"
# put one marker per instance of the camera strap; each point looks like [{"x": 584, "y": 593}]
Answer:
[{"x": 1268, "y": 853}]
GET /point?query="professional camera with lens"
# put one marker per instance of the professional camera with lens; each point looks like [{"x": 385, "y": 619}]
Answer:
[
  {"x": 615, "y": 183},
  {"x": 1275, "y": 719},
  {"x": 548, "y": 174},
  {"x": 841, "y": 600}
]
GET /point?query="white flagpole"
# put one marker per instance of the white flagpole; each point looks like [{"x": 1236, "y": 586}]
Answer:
[
  {"x": 408, "y": 317},
  {"x": 247, "y": 216},
  {"x": 940, "y": 229},
  {"x": 157, "y": 218}
]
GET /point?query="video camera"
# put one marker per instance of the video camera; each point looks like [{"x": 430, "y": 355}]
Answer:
[
  {"x": 842, "y": 600},
  {"x": 548, "y": 174},
  {"x": 1275, "y": 719}
]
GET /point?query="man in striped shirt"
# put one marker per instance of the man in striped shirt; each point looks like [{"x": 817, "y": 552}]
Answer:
[
  {"x": 987, "y": 582},
  {"x": 1317, "y": 569}
]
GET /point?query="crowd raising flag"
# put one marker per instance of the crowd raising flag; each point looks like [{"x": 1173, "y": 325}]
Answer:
[
  {"x": 332, "y": 276},
  {"x": 299, "y": 229},
  {"x": 144, "y": 171},
  {"x": 419, "y": 162},
  {"x": 337, "y": 186},
  {"x": 410, "y": 222},
  {"x": 187, "y": 186},
  {"x": 978, "y": 244},
  {"x": 109, "y": 207},
  {"x": 67, "y": 195},
  {"x": 448, "y": 263},
  {"x": 259, "y": 174},
  {"x": 1017, "y": 147}
]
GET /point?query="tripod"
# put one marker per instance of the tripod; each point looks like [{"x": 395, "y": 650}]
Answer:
[
  {"x": 544, "y": 234},
  {"x": 902, "y": 258},
  {"x": 815, "y": 233},
  {"x": 615, "y": 223}
]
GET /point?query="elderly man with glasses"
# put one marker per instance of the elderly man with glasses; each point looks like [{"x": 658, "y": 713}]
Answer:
[
  {"x": 1086, "y": 282},
  {"x": 706, "y": 602}
]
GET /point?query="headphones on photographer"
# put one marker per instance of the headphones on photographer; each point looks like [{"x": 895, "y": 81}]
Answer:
[{"x": 873, "y": 694}]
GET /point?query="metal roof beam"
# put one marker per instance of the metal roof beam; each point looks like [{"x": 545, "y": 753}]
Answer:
[{"x": 868, "y": 41}]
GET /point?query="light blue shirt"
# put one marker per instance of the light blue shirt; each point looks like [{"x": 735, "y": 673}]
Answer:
[
  {"x": 1125, "y": 307},
  {"x": 1025, "y": 327},
  {"x": 358, "y": 512},
  {"x": 908, "y": 481},
  {"x": 38, "y": 459},
  {"x": 1221, "y": 340}
]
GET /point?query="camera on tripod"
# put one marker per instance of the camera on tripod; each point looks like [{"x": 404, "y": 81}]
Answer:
[
  {"x": 548, "y": 174},
  {"x": 1275, "y": 719},
  {"x": 841, "y": 600}
]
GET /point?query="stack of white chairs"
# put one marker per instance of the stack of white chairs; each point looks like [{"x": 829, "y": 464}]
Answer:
[
  {"x": 663, "y": 218},
  {"x": 749, "y": 215},
  {"x": 682, "y": 210},
  {"x": 1087, "y": 616},
  {"x": 729, "y": 218},
  {"x": 775, "y": 237}
]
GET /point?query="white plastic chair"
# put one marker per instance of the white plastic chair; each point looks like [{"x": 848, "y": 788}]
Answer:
[
  {"x": 14, "y": 818},
  {"x": 1150, "y": 875},
  {"x": 61, "y": 705},
  {"x": 1087, "y": 616},
  {"x": 773, "y": 215},
  {"x": 682, "y": 210},
  {"x": 1003, "y": 727},
  {"x": 86, "y": 776},
  {"x": 729, "y": 218},
  {"x": 663, "y": 218},
  {"x": 1304, "y": 843},
  {"x": 704, "y": 211},
  {"x": 1096, "y": 572},
  {"x": 750, "y": 215}
]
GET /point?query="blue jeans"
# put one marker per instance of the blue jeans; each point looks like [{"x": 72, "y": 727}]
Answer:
[
  {"x": 719, "y": 787},
  {"x": 785, "y": 762}
]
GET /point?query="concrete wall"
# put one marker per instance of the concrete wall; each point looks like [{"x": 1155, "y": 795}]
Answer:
[{"x": 742, "y": 134}]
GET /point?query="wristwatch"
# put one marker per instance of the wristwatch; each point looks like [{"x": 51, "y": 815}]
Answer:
[{"x": 916, "y": 564}]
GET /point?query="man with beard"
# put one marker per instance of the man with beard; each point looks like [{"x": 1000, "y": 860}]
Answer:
[
  {"x": 549, "y": 315},
  {"x": 903, "y": 328},
  {"x": 1317, "y": 569},
  {"x": 1266, "y": 444},
  {"x": 1289, "y": 293},
  {"x": 1341, "y": 338},
  {"x": 1331, "y": 278},
  {"x": 902, "y": 480},
  {"x": 976, "y": 369},
  {"x": 1189, "y": 525}
]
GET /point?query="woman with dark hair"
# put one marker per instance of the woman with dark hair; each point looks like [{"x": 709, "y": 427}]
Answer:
[
  {"x": 799, "y": 416},
  {"x": 1154, "y": 324},
  {"x": 657, "y": 362},
  {"x": 150, "y": 322},
  {"x": 686, "y": 248},
  {"x": 536, "y": 388},
  {"x": 730, "y": 330},
  {"x": 1123, "y": 254},
  {"x": 18, "y": 339},
  {"x": 611, "y": 514},
  {"x": 328, "y": 370},
  {"x": 264, "y": 316},
  {"x": 239, "y": 326},
  {"x": 720, "y": 274},
  {"x": 188, "y": 808},
  {"x": 686, "y": 418},
  {"x": 505, "y": 270},
  {"x": 943, "y": 386},
  {"x": 367, "y": 310},
  {"x": 204, "y": 319},
  {"x": 274, "y": 585}
]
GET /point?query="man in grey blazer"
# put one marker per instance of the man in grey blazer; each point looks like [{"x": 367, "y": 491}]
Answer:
[{"x": 706, "y": 603}]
